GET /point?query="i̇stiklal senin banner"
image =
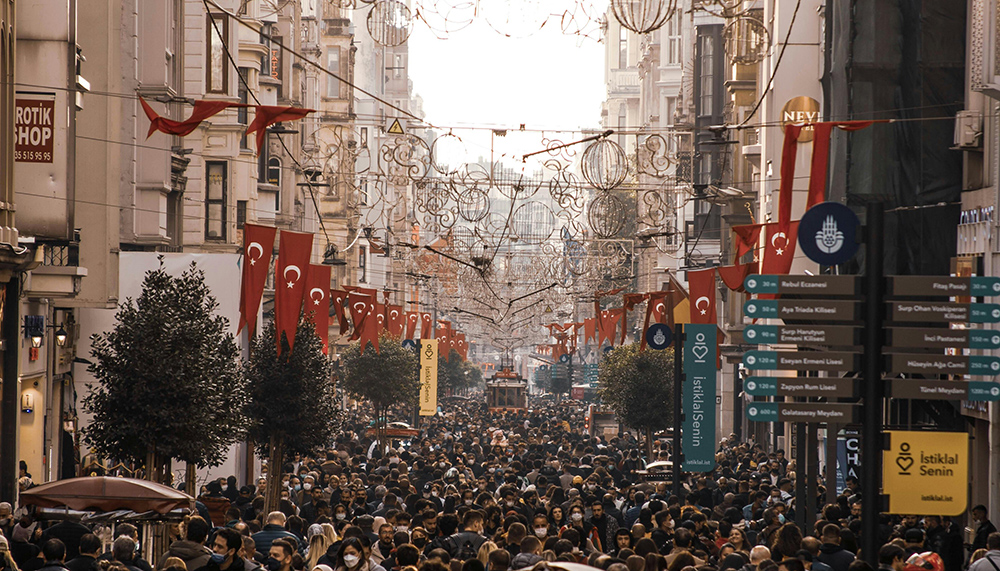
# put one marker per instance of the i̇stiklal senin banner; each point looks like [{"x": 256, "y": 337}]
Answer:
[{"x": 698, "y": 428}]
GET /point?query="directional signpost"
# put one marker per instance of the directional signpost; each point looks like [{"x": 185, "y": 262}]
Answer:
[
  {"x": 931, "y": 389},
  {"x": 802, "y": 285},
  {"x": 943, "y": 286},
  {"x": 801, "y": 361},
  {"x": 808, "y": 412},
  {"x": 922, "y": 338},
  {"x": 830, "y": 387},
  {"x": 944, "y": 312},
  {"x": 835, "y": 335},
  {"x": 813, "y": 310}
]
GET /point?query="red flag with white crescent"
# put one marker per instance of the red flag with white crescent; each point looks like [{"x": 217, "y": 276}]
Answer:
[
  {"x": 412, "y": 318},
  {"x": 339, "y": 300},
  {"x": 589, "y": 329},
  {"x": 395, "y": 320},
  {"x": 380, "y": 316},
  {"x": 426, "y": 326},
  {"x": 318, "y": 301},
  {"x": 607, "y": 324},
  {"x": 701, "y": 289},
  {"x": 779, "y": 248},
  {"x": 294, "y": 250},
  {"x": 462, "y": 346},
  {"x": 366, "y": 325},
  {"x": 258, "y": 244}
]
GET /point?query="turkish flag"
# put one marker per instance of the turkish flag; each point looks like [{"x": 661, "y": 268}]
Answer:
[
  {"x": 734, "y": 276},
  {"x": 779, "y": 249},
  {"x": 702, "y": 291},
  {"x": 607, "y": 325},
  {"x": 656, "y": 312},
  {"x": 294, "y": 251},
  {"x": 747, "y": 238},
  {"x": 258, "y": 244},
  {"x": 202, "y": 110},
  {"x": 426, "y": 326},
  {"x": 412, "y": 318},
  {"x": 380, "y": 316},
  {"x": 589, "y": 330},
  {"x": 462, "y": 347},
  {"x": 366, "y": 326},
  {"x": 630, "y": 300},
  {"x": 318, "y": 301},
  {"x": 267, "y": 115},
  {"x": 444, "y": 339},
  {"x": 395, "y": 321},
  {"x": 339, "y": 300}
]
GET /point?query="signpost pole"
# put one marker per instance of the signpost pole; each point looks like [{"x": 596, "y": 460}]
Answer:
[
  {"x": 871, "y": 457},
  {"x": 678, "y": 395}
]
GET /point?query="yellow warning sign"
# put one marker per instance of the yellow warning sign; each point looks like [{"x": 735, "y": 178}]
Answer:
[
  {"x": 396, "y": 128},
  {"x": 926, "y": 472}
]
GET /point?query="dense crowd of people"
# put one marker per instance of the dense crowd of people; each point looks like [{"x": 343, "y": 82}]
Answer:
[{"x": 486, "y": 491}]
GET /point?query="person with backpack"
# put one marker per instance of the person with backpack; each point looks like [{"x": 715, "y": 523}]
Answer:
[{"x": 465, "y": 544}]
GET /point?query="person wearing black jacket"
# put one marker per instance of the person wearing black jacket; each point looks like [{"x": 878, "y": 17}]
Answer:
[
  {"x": 90, "y": 549},
  {"x": 225, "y": 552},
  {"x": 54, "y": 553}
]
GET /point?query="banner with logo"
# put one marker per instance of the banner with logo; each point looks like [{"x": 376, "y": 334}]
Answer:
[
  {"x": 698, "y": 437},
  {"x": 428, "y": 377}
]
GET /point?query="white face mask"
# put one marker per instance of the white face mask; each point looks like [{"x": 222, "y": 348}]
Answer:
[
  {"x": 351, "y": 560},
  {"x": 576, "y": 516},
  {"x": 468, "y": 502},
  {"x": 541, "y": 531},
  {"x": 340, "y": 516},
  {"x": 402, "y": 528},
  {"x": 307, "y": 486}
]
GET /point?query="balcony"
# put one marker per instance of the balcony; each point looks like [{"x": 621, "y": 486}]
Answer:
[
  {"x": 624, "y": 82},
  {"x": 59, "y": 274}
]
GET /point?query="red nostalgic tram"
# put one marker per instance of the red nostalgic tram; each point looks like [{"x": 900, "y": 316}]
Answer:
[{"x": 507, "y": 390}]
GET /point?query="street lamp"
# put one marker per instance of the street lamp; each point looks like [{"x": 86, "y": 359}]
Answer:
[{"x": 61, "y": 336}]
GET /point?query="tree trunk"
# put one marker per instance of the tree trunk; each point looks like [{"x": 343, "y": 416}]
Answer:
[
  {"x": 150, "y": 472},
  {"x": 275, "y": 459},
  {"x": 649, "y": 445},
  {"x": 190, "y": 480}
]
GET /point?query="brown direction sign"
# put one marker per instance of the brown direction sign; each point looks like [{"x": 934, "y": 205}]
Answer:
[
  {"x": 813, "y": 310},
  {"x": 801, "y": 360},
  {"x": 944, "y": 286},
  {"x": 928, "y": 389},
  {"x": 802, "y": 285},
  {"x": 838, "y": 335},
  {"x": 815, "y": 387},
  {"x": 817, "y": 412},
  {"x": 930, "y": 337}
]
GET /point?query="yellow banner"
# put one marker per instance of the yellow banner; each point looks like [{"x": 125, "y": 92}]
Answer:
[
  {"x": 926, "y": 473},
  {"x": 428, "y": 377}
]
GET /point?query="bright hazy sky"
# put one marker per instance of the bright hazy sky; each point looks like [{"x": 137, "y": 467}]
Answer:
[{"x": 478, "y": 77}]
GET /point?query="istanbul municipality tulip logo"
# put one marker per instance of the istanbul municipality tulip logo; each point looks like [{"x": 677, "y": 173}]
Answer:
[
  {"x": 659, "y": 338},
  {"x": 829, "y": 239}
]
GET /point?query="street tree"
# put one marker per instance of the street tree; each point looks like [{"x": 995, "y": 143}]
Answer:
[
  {"x": 168, "y": 382},
  {"x": 456, "y": 374},
  {"x": 383, "y": 378},
  {"x": 293, "y": 407},
  {"x": 638, "y": 386}
]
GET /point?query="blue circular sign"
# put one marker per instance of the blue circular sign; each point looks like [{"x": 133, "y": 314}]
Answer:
[
  {"x": 409, "y": 344},
  {"x": 608, "y": 349},
  {"x": 659, "y": 336},
  {"x": 564, "y": 358},
  {"x": 828, "y": 233}
]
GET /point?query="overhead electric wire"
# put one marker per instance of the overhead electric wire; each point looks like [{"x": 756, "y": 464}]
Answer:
[{"x": 774, "y": 71}]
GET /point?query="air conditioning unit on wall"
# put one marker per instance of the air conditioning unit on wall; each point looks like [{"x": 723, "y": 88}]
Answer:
[{"x": 969, "y": 129}]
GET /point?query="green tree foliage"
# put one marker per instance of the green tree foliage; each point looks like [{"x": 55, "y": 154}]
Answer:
[
  {"x": 385, "y": 378},
  {"x": 168, "y": 381},
  {"x": 455, "y": 375},
  {"x": 639, "y": 386},
  {"x": 293, "y": 398}
]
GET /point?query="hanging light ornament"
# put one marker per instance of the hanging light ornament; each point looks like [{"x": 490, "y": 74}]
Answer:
[
  {"x": 643, "y": 16},
  {"x": 605, "y": 164},
  {"x": 389, "y": 23},
  {"x": 746, "y": 39}
]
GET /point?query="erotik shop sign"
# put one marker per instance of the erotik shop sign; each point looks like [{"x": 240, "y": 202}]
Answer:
[{"x": 34, "y": 129}]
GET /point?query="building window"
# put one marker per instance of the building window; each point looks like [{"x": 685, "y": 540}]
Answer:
[
  {"x": 397, "y": 66},
  {"x": 674, "y": 39},
  {"x": 217, "y": 70},
  {"x": 265, "y": 60},
  {"x": 363, "y": 264},
  {"x": 707, "y": 79},
  {"x": 333, "y": 66},
  {"x": 364, "y": 137},
  {"x": 274, "y": 171},
  {"x": 241, "y": 112},
  {"x": 215, "y": 202},
  {"x": 622, "y": 119},
  {"x": 671, "y": 109},
  {"x": 622, "y": 47},
  {"x": 241, "y": 214}
]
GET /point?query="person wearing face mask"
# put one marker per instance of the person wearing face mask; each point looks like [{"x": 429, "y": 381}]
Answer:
[
  {"x": 225, "y": 552},
  {"x": 540, "y": 527},
  {"x": 279, "y": 556},
  {"x": 663, "y": 534}
]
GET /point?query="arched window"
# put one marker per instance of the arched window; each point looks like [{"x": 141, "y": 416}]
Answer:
[{"x": 274, "y": 171}]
